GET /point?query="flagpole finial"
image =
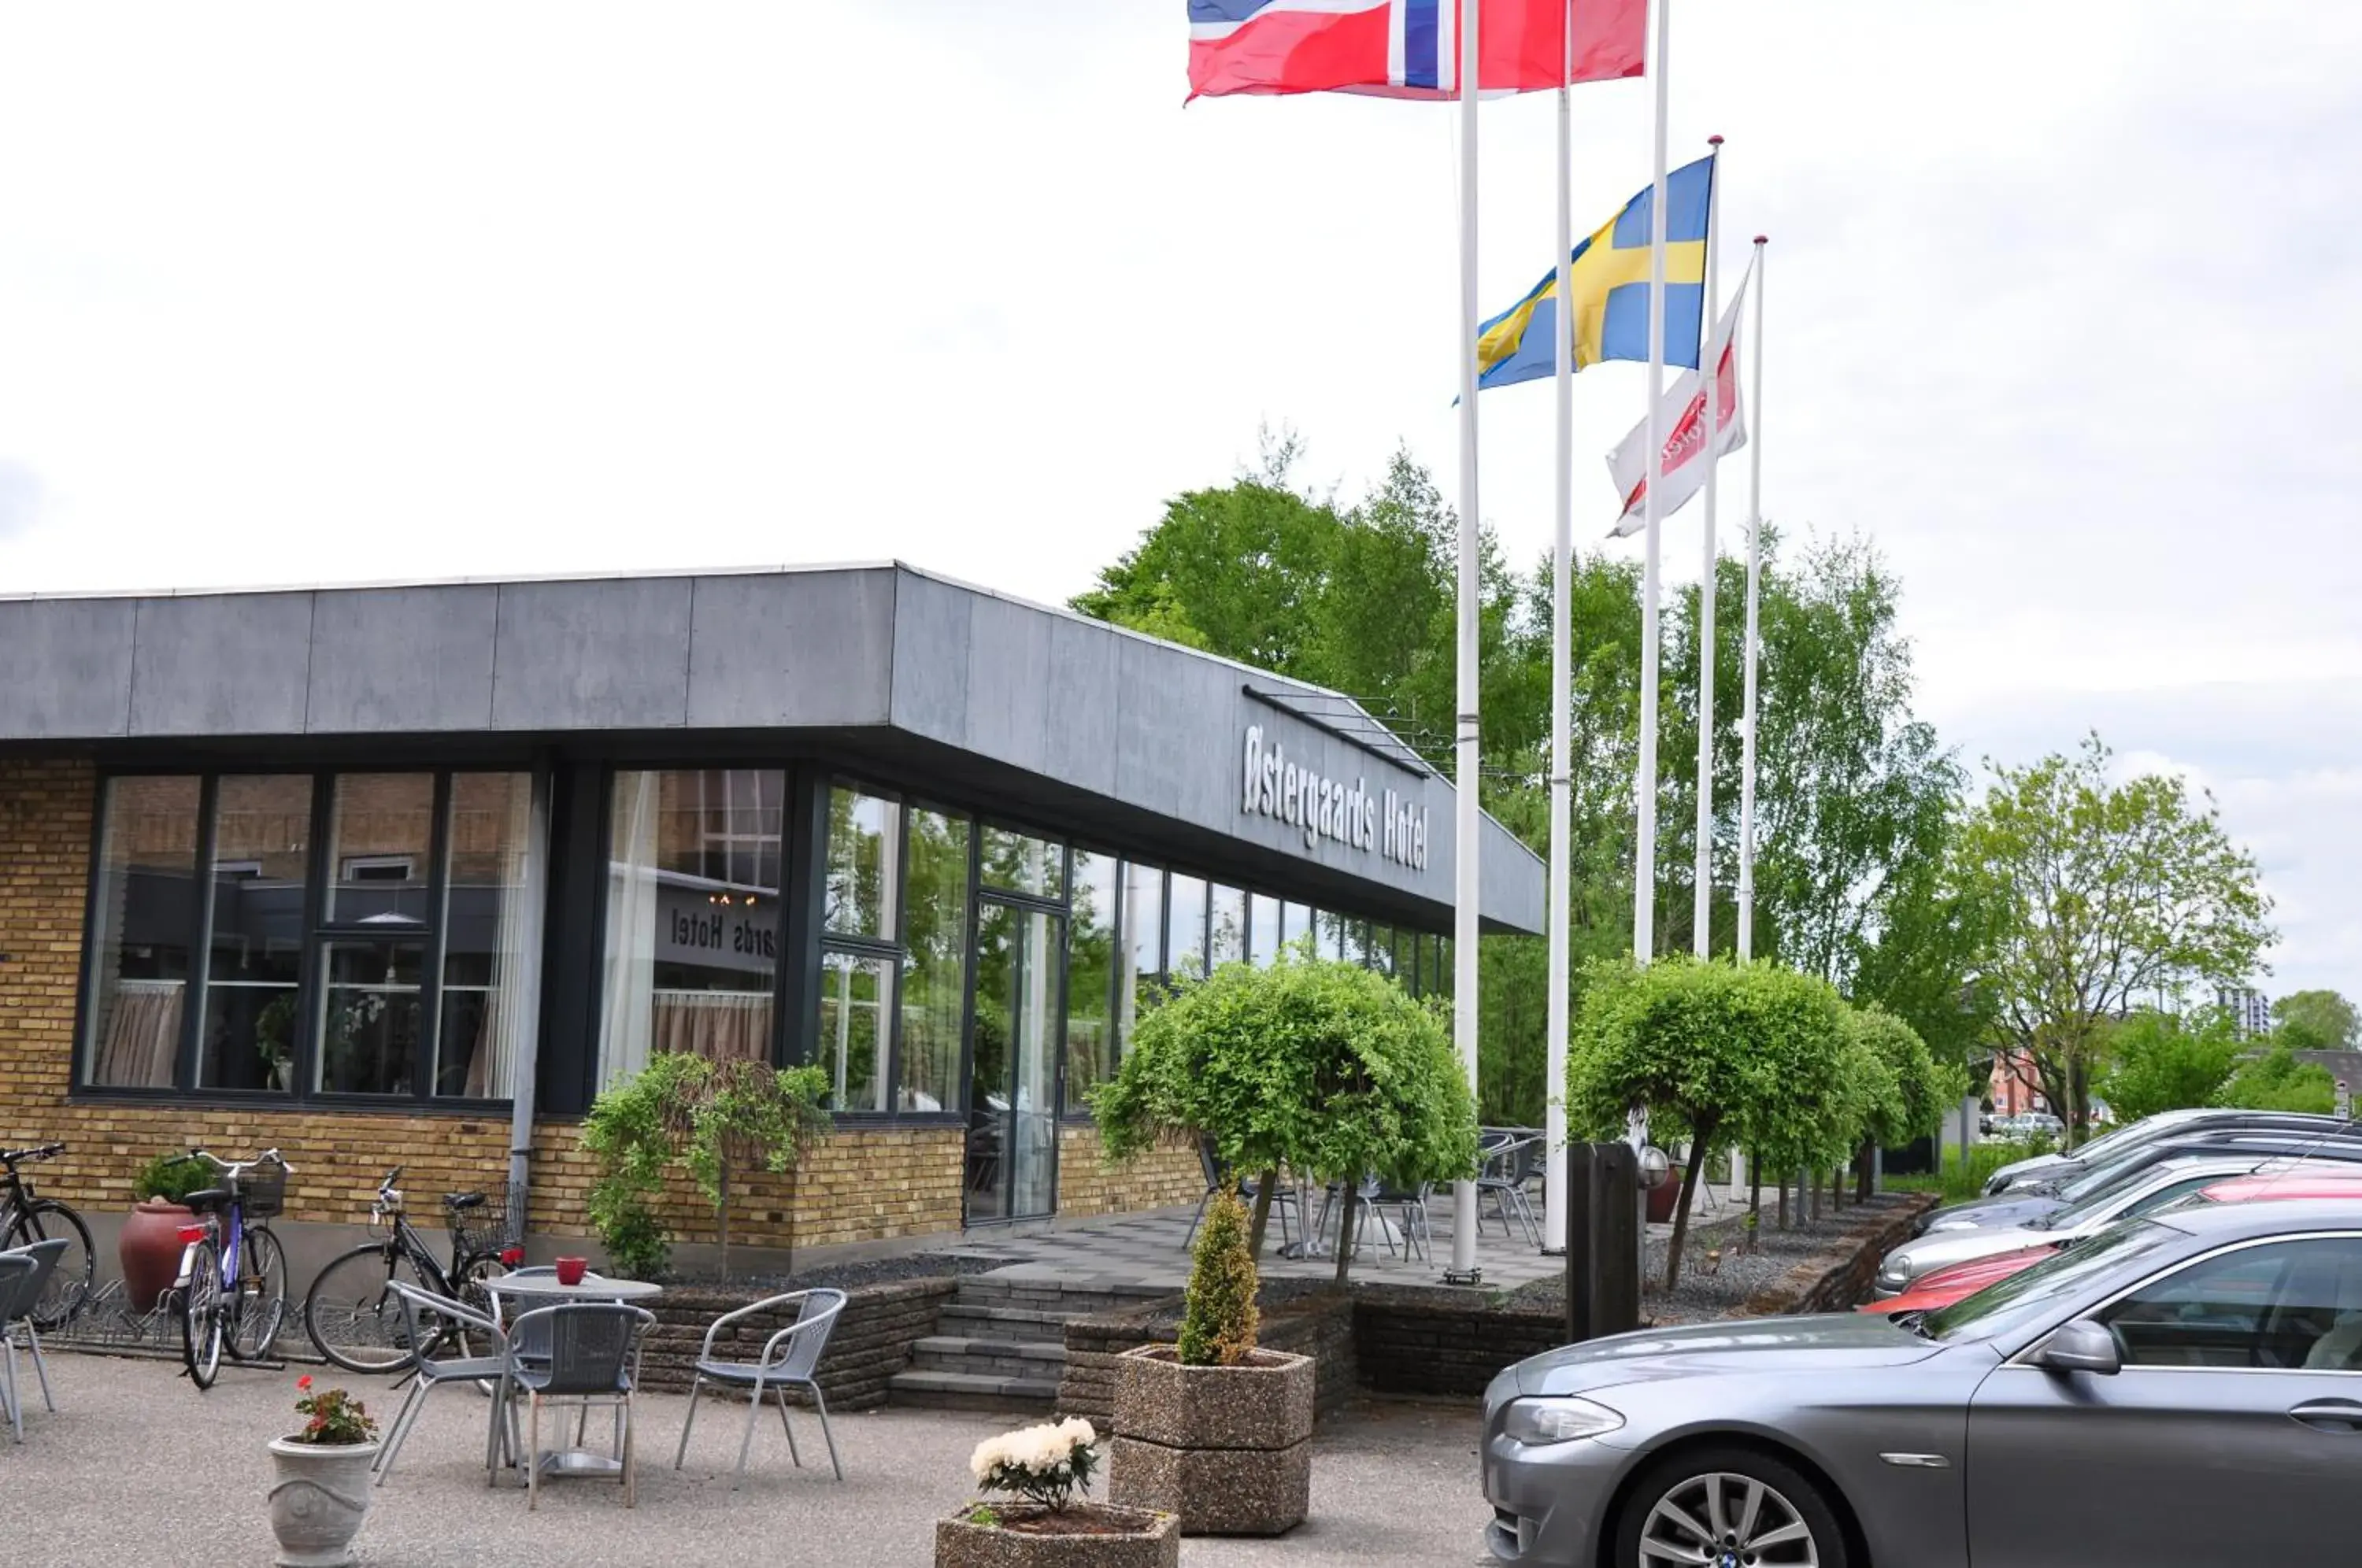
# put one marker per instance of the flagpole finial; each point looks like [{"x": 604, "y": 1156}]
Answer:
[
  {"x": 1762, "y": 239},
  {"x": 1714, "y": 141}
]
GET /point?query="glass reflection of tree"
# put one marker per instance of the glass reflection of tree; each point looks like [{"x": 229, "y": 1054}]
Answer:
[
  {"x": 935, "y": 912},
  {"x": 1090, "y": 975}
]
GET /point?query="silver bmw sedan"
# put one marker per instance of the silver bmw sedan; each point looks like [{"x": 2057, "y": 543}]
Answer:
[{"x": 2183, "y": 1390}]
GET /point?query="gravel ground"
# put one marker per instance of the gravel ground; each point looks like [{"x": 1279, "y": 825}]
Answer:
[
  {"x": 137, "y": 1467},
  {"x": 1702, "y": 1296}
]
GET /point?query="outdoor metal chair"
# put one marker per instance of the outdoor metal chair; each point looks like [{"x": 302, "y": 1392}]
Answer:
[
  {"x": 1368, "y": 1198},
  {"x": 1411, "y": 1206},
  {"x": 419, "y": 1311},
  {"x": 1509, "y": 1166},
  {"x": 18, "y": 1299},
  {"x": 791, "y": 1359},
  {"x": 594, "y": 1359},
  {"x": 1282, "y": 1196}
]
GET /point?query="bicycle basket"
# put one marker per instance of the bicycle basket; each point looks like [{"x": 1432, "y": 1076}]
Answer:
[
  {"x": 261, "y": 1191},
  {"x": 484, "y": 1229}
]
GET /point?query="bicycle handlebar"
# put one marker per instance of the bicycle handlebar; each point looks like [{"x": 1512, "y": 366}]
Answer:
[
  {"x": 239, "y": 1167},
  {"x": 38, "y": 1151}
]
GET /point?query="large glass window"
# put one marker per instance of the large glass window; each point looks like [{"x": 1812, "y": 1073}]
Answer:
[
  {"x": 1382, "y": 949},
  {"x": 254, "y": 969},
  {"x": 856, "y": 993},
  {"x": 491, "y": 925},
  {"x": 1262, "y": 930},
  {"x": 146, "y": 892},
  {"x": 1143, "y": 940},
  {"x": 694, "y": 875},
  {"x": 1091, "y": 959},
  {"x": 326, "y": 943},
  {"x": 1294, "y": 922},
  {"x": 1185, "y": 941},
  {"x": 1226, "y": 930},
  {"x": 865, "y": 840},
  {"x": 1022, "y": 865},
  {"x": 934, "y": 964}
]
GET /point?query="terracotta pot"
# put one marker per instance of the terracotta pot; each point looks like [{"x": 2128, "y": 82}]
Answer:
[
  {"x": 149, "y": 1251},
  {"x": 1151, "y": 1540},
  {"x": 1663, "y": 1200},
  {"x": 318, "y": 1499}
]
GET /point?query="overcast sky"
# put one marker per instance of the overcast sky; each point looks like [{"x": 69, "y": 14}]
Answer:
[{"x": 2063, "y": 315}]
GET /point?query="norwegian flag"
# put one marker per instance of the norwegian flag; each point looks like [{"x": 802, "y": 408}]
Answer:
[
  {"x": 1407, "y": 49},
  {"x": 1680, "y": 417}
]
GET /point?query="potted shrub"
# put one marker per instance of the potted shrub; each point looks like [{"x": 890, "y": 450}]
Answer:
[
  {"x": 148, "y": 1250},
  {"x": 1042, "y": 1467},
  {"x": 1213, "y": 1429},
  {"x": 321, "y": 1491}
]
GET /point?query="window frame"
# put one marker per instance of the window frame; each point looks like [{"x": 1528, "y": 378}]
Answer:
[
  {"x": 317, "y": 934},
  {"x": 2022, "y": 1357}
]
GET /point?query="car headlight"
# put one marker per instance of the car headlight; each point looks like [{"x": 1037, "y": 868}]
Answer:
[
  {"x": 1894, "y": 1273},
  {"x": 1537, "y": 1421}
]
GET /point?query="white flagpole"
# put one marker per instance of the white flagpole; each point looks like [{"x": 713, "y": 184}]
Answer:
[
  {"x": 1754, "y": 581},
  {"x": 1709, "y": 319},
  {"x": 1470, "y": 819},
  {"x": 1644, "y": 837},
  {"x": 1561, "y": 694}
]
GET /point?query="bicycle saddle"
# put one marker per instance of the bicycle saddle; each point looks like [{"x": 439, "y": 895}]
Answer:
[
  {"x": 462, "y": 1200},
  {"x": 206, "y": 1197}
]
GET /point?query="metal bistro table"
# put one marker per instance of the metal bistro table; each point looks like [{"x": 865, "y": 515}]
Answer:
[{"x": 532, "y": 1290}]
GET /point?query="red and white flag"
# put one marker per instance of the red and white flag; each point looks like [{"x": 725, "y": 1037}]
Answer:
[{"x": 1682, "y": 418}]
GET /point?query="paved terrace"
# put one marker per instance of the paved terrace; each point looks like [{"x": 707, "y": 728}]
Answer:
[{"x": 137, "y": 1467}]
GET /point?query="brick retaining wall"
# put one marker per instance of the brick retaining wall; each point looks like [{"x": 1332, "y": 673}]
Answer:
[
  {"x": 1426, "y": 1342},
  {"x": 1837, "y": 1278},
  {"x": 870, "y": 1343}
]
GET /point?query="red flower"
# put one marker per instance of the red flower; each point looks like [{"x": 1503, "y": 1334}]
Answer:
[{"x": 304, "y": 1381}]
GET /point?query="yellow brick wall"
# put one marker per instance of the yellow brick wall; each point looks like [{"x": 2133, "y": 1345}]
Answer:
[{"x": 1089, "y": 1183}]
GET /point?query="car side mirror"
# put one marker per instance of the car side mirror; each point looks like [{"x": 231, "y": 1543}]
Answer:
[{"x": 2081, "y": 1346}]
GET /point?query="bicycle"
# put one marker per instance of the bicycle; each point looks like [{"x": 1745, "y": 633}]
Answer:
[
  {"x": 358, "y": 1323},
  {"x": 25, "y": 1218},
  {"x": 232, "y": 1290}
]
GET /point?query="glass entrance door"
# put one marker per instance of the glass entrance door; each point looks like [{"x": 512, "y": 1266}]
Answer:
[{"x": 1012, "y": 1139}]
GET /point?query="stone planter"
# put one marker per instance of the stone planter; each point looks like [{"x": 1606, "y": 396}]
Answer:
[
  {"x": 1142, "y": 1539},
  {"x": 1229, "y": 1449},
  {"x": 148, "y": 1251},
  {"x": 318, "y": 1500}
]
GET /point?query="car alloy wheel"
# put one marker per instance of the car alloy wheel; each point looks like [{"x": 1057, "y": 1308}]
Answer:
[{"x": 1720, "y": 1519}]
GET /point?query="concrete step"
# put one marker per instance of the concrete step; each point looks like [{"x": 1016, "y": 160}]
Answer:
[
  {"x": 992, "y": 1358},
  {"x": 1002, "y": 1322},
  {"x": 971, "y": 1391}
]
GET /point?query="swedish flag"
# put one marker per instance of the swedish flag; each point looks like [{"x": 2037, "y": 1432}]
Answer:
[{"x": 1609, "y": 285}]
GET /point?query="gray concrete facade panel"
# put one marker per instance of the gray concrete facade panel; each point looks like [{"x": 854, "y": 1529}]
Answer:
[
  {"x": 1008, "y": 683},
  {"x": 1152, "y": 752},
  {"x": 598, "y": 654},
  {"x": 1080, "y": 742},
  {"x": 390, "y": 660},
  {"x": 930, "y": 657},
  {"x": 227, "y": 664},
  {"x": 792, "y": 651},
  {"x": 65, "y": 668}
]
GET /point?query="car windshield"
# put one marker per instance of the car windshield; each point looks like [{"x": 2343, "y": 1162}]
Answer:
[
  {"x": 2099, "y": 1178},
  {"x": 2096, "y": 1203},
  {"x": 2009, "y": 1303},
  {"x": 2108, "y": 1145}
]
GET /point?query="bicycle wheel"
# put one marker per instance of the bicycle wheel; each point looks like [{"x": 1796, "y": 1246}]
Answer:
[
  {"x": 69, "y": 1287},
  {"x": 353, "y": 1319},
  {"x": 201, "y": 1317},
  {"x": 261, "y": 1301}
]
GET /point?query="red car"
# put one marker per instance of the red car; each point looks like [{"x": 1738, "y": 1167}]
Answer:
[{"x": 1946, "y": 1286}]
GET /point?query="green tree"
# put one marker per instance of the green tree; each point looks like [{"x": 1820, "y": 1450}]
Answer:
[
  {"x": 716, "y": 1121},
  {"x": 1714, "y": 1051},
  {"x": 2278, "y": 1081},
  {"x": 2317, "y": 1020},
  {"x": 2161, "y": 1061},
  {"x": 1313, "y": 1065},
  {"x": 2105, "y": 893}
]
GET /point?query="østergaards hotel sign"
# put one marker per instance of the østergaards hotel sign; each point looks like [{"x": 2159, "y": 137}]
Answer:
[{"x": 1329, "y": 808}]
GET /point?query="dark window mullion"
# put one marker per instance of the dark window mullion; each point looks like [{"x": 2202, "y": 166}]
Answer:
[
  {"x": 311, "y": 977},
  {"x": 428, "y": 1063},
  {"x": 201, "y": 950}
]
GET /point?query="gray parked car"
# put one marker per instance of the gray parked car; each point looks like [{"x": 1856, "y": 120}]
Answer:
[
  {"x": 2184, "y": 1389},
  {"x": 2021, "y": 1204},
  {"x": 2149, "y": 1129}
]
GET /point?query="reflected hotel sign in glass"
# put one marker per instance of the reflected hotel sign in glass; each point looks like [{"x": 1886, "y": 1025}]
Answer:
[{"x": 1329, "y": 808}]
